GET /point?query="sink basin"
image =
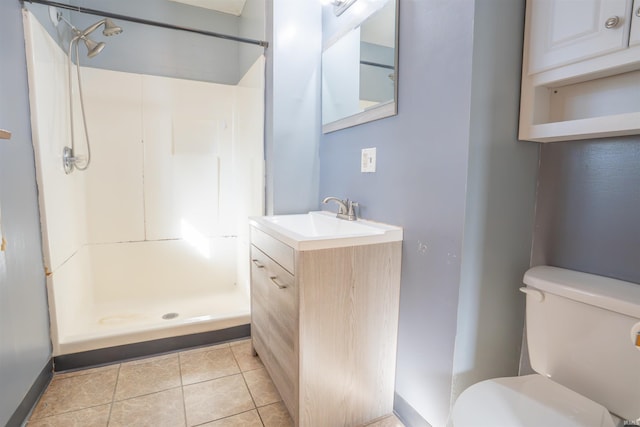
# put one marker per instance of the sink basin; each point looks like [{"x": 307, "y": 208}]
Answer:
[{"x": 322, "y": 230}]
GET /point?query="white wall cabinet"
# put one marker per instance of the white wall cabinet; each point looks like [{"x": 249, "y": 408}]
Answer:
[
  {"x": 581, "y": 70},
  {"x": 324, "y": 323},
  {"x": 568, "y": 30}
]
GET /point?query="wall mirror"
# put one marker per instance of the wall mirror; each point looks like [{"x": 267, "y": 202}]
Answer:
[{"x": 359, "y": 67}]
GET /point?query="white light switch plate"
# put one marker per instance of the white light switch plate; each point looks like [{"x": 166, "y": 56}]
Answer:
[{"x": 368, "y": 162}]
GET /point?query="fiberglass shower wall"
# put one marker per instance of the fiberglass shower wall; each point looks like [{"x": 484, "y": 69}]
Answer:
[{"x": 172, "y": 160}]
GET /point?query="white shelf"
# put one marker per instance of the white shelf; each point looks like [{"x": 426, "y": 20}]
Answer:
[
  {"x": 594, "y": 127},
  {"x": 547, "y": 117}
]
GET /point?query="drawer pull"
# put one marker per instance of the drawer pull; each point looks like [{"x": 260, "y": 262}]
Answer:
[
  {"x": 611, "y": 22},
  {"x": 257, "y": 263},
  {"x": 275, "y": 282}
]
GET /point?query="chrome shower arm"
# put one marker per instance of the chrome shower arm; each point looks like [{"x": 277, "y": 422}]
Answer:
[{"x": 91, "y": 28}]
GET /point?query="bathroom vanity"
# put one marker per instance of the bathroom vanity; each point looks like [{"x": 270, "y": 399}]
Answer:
[{"x": 324, "y": 316}]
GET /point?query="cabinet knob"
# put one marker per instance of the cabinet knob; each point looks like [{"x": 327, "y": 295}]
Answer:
[
  {"x": 638, "y": 12},
  {"x": 611, "y": 22}
]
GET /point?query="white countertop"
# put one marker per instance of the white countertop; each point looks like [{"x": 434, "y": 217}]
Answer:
[{"x": 322, "y": 230}]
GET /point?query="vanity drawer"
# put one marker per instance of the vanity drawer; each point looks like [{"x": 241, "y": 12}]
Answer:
[
  {"x": 281, "y": 253},
  {"x": 274, "y": 294}
]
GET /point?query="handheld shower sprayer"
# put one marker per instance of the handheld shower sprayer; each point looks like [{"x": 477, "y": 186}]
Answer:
[{"x": 70, "y": 161}]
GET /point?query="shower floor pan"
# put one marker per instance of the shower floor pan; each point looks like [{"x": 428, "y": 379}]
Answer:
[
  {"x": 109, "y": 325},
  {"x": 125, "y": 293}
]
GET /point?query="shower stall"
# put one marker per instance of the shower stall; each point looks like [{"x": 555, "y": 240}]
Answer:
[{"x": 150, "y": 240}]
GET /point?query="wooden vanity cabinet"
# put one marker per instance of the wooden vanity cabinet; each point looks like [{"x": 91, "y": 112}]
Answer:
[{"x": 324, "y": 323}]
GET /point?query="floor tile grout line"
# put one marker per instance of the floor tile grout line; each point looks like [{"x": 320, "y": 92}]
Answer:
[
  {"x": 245, "y": 370},
  {"x": 255, "y": 406},
  {"x": 235, "y": 359},
  {"x": 213, "y": 379},
  {"x": 222, "y": 376},
  {"x": 113, "y": 395},
  {"x": 247, "y": 385},
  {"x": 203, "y": 348},
  {"x": 239, "y": 372},
  {"x": 147, "y": 394},
  {"x": 229, "y": 416},
  {"x": 70, "y": 410},
  {"x": 66, "y": 412},
  {"x": 184, "y": 402},
  {"x": 81, "y": 372}
]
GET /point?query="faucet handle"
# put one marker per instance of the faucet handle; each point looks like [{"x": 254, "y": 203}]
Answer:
[
  {"x": 343, "y": 206},
  {"x": 351, "y": 211}
]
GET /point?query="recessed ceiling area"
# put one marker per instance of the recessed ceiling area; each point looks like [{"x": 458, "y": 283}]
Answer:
[{"x": 233, "y": 7}]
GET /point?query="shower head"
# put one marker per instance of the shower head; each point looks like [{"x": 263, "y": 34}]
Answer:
[
  {"x": 93, "y": 48},
  {"x": 110, "y": 28}
]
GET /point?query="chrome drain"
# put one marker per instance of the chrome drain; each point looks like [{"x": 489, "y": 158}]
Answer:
[{"x": 170, "y": 316}]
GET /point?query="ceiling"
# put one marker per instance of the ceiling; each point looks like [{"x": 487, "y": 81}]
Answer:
[{"x": 233, "y": 7}]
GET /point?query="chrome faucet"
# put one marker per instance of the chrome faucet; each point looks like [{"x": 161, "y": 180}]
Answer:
[{"x": 346, "y": 208}]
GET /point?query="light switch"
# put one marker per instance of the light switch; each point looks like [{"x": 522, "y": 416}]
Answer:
[{"x": 368, "y": 163}]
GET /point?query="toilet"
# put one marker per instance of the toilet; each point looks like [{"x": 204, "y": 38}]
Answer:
[{"x": 583, "y": 334}]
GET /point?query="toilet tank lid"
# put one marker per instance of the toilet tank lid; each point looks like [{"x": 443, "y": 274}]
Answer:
[{"x": 611, "y": 294}]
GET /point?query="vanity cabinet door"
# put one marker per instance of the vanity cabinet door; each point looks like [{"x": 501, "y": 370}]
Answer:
[
  {"x": 274, "y": 322},
  {"x": 566, "y": 31},
  {"x": 259, "y": 305}
]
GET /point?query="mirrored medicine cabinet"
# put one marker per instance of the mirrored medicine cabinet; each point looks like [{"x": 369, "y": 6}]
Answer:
[{"x": 360, "y": 68}]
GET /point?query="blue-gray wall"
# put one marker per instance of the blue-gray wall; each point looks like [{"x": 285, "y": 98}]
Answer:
[
  {"x": 25, "y": 348},
  {"x": 501, "y": 185},
  {"x": 292, "y": 125},
  {"x": 146, "y": 49},
  {"x": 588, "y": 207},
  {"x": 451, "y": 172}
]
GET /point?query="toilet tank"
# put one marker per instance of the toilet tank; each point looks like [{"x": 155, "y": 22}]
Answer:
[{"x": 582, "y": 332}]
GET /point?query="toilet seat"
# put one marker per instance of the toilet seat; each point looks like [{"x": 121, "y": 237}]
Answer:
[{"x": 527, "y": 401}]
